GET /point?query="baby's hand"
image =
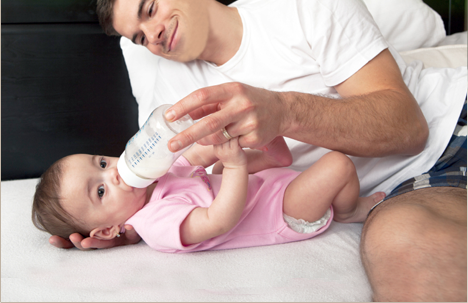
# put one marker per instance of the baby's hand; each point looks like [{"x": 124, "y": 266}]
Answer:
[{"x": 230, "y": 153}]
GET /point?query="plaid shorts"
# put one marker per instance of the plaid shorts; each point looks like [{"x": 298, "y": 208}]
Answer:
[{"x": 449, "y": 170}]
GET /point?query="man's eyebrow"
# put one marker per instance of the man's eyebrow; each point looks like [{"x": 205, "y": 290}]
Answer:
[{"x": 140, "y": 10}]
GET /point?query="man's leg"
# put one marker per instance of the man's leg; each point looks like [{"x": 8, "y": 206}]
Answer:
[{"x": 413, "y": 246}]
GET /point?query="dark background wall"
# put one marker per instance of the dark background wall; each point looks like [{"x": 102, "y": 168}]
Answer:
[
  {"x": 65, "y": 87},
  {"x": 453, "y": 13}
]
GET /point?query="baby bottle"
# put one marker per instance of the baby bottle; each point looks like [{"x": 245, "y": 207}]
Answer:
[{"x": 146, "y": 156}]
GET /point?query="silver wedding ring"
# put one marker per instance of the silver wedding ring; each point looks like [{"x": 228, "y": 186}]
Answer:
[{"x": 226, "y": 134}]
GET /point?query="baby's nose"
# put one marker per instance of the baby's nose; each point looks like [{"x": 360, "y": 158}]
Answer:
[{"x": 118, "y": 180}]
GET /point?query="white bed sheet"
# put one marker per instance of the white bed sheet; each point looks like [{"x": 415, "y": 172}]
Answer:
[{"x": 325, "y": 268}]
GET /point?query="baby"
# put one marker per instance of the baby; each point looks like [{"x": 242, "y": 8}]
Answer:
[{"x": 253, "y": 202}]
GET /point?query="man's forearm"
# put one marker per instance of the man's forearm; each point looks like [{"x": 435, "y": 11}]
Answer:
[{"x": 374, "y": 125}]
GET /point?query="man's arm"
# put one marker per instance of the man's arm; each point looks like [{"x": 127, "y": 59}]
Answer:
[{"x": 377, "y": 116}]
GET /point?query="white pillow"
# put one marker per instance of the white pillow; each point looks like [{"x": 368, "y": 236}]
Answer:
[
  {"x": 407, "y": 24},
  {"x": 141, "y": 66},
  {"x": 440, "y": 56}
]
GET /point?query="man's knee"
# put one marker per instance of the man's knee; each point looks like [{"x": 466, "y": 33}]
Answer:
[
  {"x": 410, "y": 251},
  {"x": 391, "y": 232}
]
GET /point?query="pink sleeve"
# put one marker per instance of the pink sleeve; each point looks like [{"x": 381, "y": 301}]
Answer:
[{"x": 159, "y": 223}]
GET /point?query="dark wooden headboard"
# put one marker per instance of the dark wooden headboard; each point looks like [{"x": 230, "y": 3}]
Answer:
[{"x": 65, "y": 87}]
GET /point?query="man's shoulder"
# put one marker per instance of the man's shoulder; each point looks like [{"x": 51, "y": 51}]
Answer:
[
  {"x": 303, "y": 8},
  {"x": 262, "y": 5}
]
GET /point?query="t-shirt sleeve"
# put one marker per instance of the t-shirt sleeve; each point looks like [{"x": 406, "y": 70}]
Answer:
[
  {"x": 342, "y": 35},
  {"x": 158, "y": 224}
]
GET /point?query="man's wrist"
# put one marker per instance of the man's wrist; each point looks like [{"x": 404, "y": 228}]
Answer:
[
  {"x": 294, "y": 112},
  {"x": 285, "y": 112}
]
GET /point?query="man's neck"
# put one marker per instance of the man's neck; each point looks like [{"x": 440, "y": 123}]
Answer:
[{"x": 225, "y": 35}]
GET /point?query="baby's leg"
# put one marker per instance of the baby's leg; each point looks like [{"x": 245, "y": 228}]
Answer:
[
  {"x": 330, "y": 181},
  {"x": 274, "y": 154}
]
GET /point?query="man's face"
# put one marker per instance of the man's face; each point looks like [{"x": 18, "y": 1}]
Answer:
[{"x": 173, "y": 29}]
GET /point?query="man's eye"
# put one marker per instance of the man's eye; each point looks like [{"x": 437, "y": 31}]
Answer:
[
  {"x": 103, "y": 163},
  {"x": 101, "y": 191}
]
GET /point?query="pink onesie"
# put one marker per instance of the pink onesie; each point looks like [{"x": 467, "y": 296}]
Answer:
[{"x": 186, "y": 187}]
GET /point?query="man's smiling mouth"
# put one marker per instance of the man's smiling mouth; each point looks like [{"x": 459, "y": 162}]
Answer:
[{"x": 171, "y": 42}]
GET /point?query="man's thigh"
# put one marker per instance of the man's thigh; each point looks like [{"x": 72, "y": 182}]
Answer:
[
  {"x": 416, "y": 240},
  {"x": 447, "y": 202}
]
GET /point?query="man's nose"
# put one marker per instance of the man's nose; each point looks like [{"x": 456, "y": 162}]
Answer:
[{"x": 154, "y": 34}]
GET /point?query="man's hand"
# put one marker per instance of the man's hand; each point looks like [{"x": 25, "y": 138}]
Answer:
[
  {"x": 253, "y": 114},
  {"x": 76, "y": 240}
]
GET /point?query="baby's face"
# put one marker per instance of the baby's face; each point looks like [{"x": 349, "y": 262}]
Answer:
[{"x": 94, "y": 193}]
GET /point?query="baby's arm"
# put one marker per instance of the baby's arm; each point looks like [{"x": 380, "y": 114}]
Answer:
[
  {"x": 200, "y": 155},
  {"x": 224, "y": 213},
  {"x": 274, "y": 154}
]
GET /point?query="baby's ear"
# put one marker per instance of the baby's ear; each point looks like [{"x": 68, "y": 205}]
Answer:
[{"x": 107, "y": 233}]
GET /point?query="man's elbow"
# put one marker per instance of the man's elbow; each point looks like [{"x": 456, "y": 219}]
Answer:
[{"x": 418, "y": 138}]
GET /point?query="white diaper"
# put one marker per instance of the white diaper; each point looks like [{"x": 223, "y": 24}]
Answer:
[{"x": 304, "y": 227}]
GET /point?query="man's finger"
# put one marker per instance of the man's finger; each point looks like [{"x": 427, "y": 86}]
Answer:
[
  {"x": 213, "y": 139},
  {"x": 196, "y": 100},
  {"x": 206, "y": 126},
  {"x": 60, "y": 242},
  {"x": 76, "y": 239},
  {"x": 90, "y": 243},
  {"x": 131, "y": 235},
  {"x": 204, "y": 111}
]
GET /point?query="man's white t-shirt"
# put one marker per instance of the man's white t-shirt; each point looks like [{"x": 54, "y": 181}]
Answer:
[{"x": 310, "y": 46}]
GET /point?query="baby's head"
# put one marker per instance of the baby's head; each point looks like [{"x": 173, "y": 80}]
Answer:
[{"x": 85, "y": 194}]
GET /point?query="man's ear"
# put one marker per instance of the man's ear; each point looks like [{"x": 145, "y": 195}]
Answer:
[{"x": 107, "y": 233}]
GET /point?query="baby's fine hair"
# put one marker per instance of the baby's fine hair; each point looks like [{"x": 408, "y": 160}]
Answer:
[{"x": 47, "y": 212}]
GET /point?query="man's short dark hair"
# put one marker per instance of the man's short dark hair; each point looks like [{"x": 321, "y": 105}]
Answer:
[{"x": 105, "y": 13}]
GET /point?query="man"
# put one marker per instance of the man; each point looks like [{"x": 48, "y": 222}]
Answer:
[{"x": 320, "y": 74}]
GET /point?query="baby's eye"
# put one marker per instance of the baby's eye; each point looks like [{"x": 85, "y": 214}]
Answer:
[
  {"x": 103, "y": 163},
  {"x": 101, "y": 191}
]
